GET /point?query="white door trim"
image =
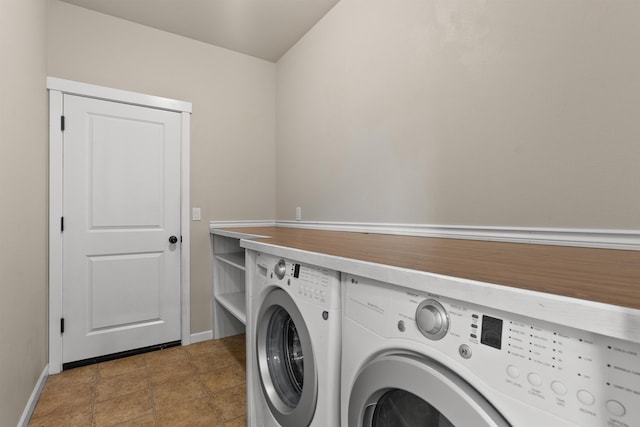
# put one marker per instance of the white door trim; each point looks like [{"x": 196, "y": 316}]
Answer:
[
  {"x": 57, "y": 87},
  {"x": 92, "y": 91}
]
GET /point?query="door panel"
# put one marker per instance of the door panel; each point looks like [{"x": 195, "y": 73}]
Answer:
[
  {"x": 121, "y": 276},
  {"x": 124, "y": 168},
  {"x": 124, "y": 290}
]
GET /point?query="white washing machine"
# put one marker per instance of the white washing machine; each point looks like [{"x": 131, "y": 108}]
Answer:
[
  {"x": 294, "y": 344},
  {"x": 411, "y": 358}
]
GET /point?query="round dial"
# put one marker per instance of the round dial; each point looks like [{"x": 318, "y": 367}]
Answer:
[
  {"x": 432, "y": 319},
  {"x": 280, "y": 269}
]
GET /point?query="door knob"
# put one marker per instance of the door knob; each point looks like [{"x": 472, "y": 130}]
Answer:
[{"x": 173, "y": 240}]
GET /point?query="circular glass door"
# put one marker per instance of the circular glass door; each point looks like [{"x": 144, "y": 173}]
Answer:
[
  {"x": 412, "y": 390},
  {"x": 285, "y": 358},
  {"x": 286, "y": 363},
  {"x": 401, "y": 408}
]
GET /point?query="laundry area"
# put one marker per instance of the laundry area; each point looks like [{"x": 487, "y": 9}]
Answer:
[
  {"x": 419, "y": 347},
  {"x": 320, "y": 213}
]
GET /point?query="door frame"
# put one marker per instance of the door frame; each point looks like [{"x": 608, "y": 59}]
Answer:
[{"x": 57, "y": 88}]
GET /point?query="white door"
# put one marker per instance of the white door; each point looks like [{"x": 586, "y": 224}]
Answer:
[{"x": 121, "y": 205}]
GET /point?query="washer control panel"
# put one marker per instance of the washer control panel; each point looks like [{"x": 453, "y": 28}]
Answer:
[
  {"x": 587, "y": 379},
  {"x": 316, "y": 285}
]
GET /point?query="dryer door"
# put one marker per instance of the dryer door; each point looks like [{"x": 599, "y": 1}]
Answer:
[
  {"x": 410, "y": 390},
  {"x": 286, "y": 363}
]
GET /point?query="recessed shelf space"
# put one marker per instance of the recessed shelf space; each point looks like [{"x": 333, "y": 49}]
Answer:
[
  {"x": 235, "y": 259},
  {"x": 235, "y": 303},
  {"x": 228, "y": 273}
]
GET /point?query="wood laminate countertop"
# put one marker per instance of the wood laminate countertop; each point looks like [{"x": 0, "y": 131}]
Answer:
[{"x": 591, "y": 275}]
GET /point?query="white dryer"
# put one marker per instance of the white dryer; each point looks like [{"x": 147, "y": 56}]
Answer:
[
  {"x": 294, "y": 344},
  {"x": 411, "y": 358}
]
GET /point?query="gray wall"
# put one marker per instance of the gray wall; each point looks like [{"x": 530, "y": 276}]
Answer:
[
  {"x": 505, "y": 113},
  {"x": 233, "y": 125},
  {"x": 23, "y": 195}
]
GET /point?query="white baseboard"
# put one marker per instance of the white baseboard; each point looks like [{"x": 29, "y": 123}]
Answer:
[
  {"x": 33, "y": 399},
  {"x": 596, "y": 238},
  {"x": 201, "y": 336}
]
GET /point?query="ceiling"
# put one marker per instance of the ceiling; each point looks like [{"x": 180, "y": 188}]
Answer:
[{"x": 262, "y": 28}]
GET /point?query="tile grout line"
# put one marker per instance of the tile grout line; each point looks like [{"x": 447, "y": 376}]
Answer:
[
  {"x": 150, "y": 390},
  {"x": 92, "y": 405}
]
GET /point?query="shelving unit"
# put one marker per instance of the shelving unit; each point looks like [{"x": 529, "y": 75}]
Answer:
[{"x": 229, "y": 306}]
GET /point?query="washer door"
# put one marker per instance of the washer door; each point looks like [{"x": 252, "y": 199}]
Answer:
[
  {"x": 408, "y": 390},
  {"x": 286, "y": 363}
]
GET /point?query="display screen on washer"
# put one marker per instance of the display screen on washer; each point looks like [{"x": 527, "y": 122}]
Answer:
[
  {"x": 296, "y": 271},
  {"x": 491, "y": 332}
]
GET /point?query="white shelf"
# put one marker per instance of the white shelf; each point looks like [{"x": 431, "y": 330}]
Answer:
[
  {"x": 235, "y": 259},
  {"x": 228, "y": 274},
  {"x": 235, "y": 303}
]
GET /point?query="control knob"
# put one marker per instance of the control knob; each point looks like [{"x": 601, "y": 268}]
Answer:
[
  {"x": 280, "y": 269},
  {"x": 432, "y": 319}
]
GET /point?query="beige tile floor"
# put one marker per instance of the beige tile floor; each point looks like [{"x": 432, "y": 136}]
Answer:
[{"x": 202, "y": 384}]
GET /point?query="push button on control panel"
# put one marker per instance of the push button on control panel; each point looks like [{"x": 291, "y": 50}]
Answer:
[
  {"x": 616, "y": 408},
  {"x": 465, "y": 351},
  {"x": 534, "y": 379},
  {"x": 586, "y": 398},
  {"x": 559, "y": 388},
  {"x": 513, "y": 371}
]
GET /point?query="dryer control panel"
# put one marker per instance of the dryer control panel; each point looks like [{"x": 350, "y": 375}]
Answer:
[
  {"x": 313, "y": 284},
  {"x": 588, "y": 379}
]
